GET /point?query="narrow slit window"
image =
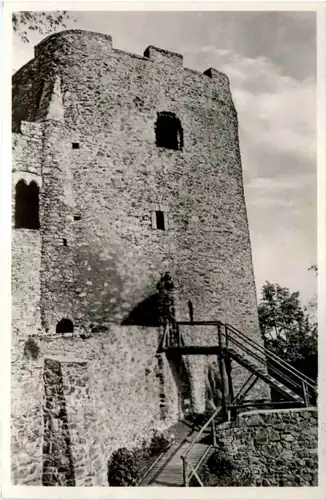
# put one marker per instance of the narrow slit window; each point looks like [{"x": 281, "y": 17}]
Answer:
[
  {"x": 160, "y": 221},
  {"x": 65, "y": 244}
]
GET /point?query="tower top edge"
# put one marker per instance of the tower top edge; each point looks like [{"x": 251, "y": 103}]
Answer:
[
  {"x": 63, "y": 33},
  {"x": 151, "y": 53}
]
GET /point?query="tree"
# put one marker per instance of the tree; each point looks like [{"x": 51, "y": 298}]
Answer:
[
  {"x": 314, "y": 267},
  {"x": 25, "y": 22},
  {"x": 312, "y": 307},
  {"x": 287, "y": 328}
]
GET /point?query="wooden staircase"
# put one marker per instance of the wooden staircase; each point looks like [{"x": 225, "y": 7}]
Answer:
[
  {"x": 168, "y": 471},
  {"x": 181, "y": 464},
  {"x": 263, "y": 375}
]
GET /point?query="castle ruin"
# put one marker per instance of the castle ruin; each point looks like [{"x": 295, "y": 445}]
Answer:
[{"x": 126, "y": 170}]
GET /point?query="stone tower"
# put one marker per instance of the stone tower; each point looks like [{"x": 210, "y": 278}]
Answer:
[{"x": 132, "y": 166}]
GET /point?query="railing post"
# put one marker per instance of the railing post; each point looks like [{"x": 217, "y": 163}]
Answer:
[
  {"x": 228, "y": 367},
  {"x": 165, "y": 340},
  {"x": 226, "y": 333},
  {"x": 222, "y": 368},
  {"x": 305, "y": 393},
  {"x": 185, "y": 476},
  {"x": 214, "y": 432}
]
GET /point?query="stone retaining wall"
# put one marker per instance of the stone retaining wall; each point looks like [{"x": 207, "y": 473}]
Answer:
[{"x": 273, "y": 448}]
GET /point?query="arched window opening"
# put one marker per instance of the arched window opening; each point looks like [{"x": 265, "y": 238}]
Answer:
[
  {"x": 169, "y": 133},
  {"x": 65, "y": 326},
  {"x": 27, "y": 205}
]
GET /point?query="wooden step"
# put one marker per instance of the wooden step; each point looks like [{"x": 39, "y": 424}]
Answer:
[{"x": 172, "y": 472}]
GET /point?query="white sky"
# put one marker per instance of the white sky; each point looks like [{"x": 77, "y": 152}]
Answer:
[{"x": 270, "y": 59}]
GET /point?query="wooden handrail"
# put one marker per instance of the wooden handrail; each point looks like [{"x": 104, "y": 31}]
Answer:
[
  {"x": 273, "y": 356},
  {"x": 200, "y": 461},
  {"x": 194, "y": 473},
  {"x": 153, "y": 465},
  {"x": 206, "y": 424},
  {"x": 284, "y": 364}
]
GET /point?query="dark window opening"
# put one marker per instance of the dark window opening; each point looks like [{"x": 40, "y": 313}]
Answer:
[
  {"x": 27, "y": 206},
  {"x": 75, "y": 145},
  {"x": 160, "y": 222},
  {"x": 77, "y": 217},
  {"x": 65, "y": 326},
  {"x": 65, "y": 242},
  {"x": 168, "y": 130}
]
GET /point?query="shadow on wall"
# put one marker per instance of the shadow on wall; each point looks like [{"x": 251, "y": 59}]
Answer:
[
  {"x": 181, "y": 376},
  {"x": 58, "y": 469},
  {"x": 213, "y": 387},
  {"x": 156, "y": 310},
  {"x": 103, "y": 299},
  {"x": 146, "y": 313}
]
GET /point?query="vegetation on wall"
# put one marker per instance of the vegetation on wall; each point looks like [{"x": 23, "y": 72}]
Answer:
[{"x": 127, "y": 466}]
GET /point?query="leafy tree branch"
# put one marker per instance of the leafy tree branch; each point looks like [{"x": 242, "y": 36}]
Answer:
[{"x": 26, "y": 22}]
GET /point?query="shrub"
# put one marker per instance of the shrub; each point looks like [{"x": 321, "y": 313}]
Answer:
[
  {"x": 123, "y": 468},
  {"x": 219, "y": 464},
  {"x": 159, "y": 444},
  {"x": 31, "y": 349},
  {"x": 217, "y": 471},
  {"x": 126, "y": 467}
]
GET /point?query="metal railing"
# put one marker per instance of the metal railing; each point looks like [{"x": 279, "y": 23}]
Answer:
[
  {"x": 271, "y": 355},
  {"x": 276, "y": 366},
  {"x": 151, "y": 467},
  {"x": 190, "y": 470},
  {"x": 265, "y": 360}
]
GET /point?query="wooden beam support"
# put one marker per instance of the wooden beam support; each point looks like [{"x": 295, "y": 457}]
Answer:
[
  {"x": 246, "y": 387},
  {"x": 221, "y": 363}
]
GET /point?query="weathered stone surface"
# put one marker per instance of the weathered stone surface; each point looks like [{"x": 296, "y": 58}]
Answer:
[
  {"x": 97, "y": 258},
  {"x": 273, "y": 435},
  {"x": 283, "y": 458},
  {"x": 288, "y": 437},
  {"x": 261, "y": 436}
]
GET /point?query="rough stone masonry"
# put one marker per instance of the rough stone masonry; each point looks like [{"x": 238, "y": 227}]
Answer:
[
  {"x": 125, "y": 167},
  {"x": 273, "y": 447}
]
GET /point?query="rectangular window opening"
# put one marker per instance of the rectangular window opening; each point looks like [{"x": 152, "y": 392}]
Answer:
[
  {"x": 77, "y": 217},
  {"x": 65, "y": 244},
  {"x": 75, "y": 145},
  {"x": 160, "y": 222}
]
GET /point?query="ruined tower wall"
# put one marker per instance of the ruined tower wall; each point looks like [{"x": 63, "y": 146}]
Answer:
[
  {"x": 100, "y": 198},
  {"x": 111, "y": 392},
  {"x": 26, "y": 373},
  {"x": 57, "y": 198},
  {"x": 26, "y": 243},
  {"x": 119, "y": 177},
  {"x": 27, "y": 87}
]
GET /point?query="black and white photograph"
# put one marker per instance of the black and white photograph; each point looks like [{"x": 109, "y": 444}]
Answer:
[{"x": 164, "y": 268}]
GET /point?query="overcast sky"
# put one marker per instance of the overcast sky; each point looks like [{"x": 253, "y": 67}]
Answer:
[{"x": 270, "y": 59}]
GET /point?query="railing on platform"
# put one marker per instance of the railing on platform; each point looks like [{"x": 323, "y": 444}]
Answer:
[
  {"x": 265, "y": 360},
  {"x": 276, "y": 366}
]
